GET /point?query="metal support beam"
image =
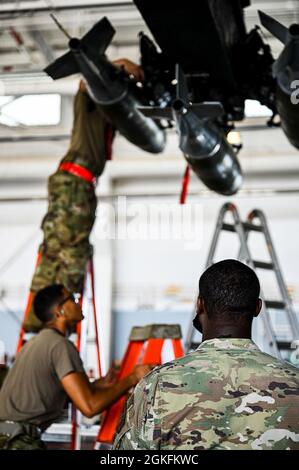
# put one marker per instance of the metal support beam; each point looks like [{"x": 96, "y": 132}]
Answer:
[
  {"x": 83, "y": 6},
  {"x": 42, "y": 45}
]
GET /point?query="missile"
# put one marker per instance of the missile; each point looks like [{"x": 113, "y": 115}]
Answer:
[
  {"x": 108, "y": 86},
  {"x": 202, "y": 142},
  {"x": 286, "y": 72}
]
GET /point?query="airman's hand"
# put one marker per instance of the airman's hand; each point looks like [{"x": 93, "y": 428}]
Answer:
[
  {"x": 131, "y": 68},
  {"x": 82, "y": 85}
]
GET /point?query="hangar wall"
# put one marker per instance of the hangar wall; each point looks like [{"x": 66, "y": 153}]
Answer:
[{"x": 170, "y": 267}]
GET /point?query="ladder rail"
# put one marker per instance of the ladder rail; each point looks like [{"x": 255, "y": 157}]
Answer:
[
  {"x": 243, "y": 236},
  {"x": 258, "y": 214},
  {"x": 224, "y": 209}
]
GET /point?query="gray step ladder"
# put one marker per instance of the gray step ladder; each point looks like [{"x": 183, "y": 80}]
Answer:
[{"x": 243, "y": 229}]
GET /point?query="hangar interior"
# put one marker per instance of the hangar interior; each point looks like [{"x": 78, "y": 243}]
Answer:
[{"x": 142, "y": 276}]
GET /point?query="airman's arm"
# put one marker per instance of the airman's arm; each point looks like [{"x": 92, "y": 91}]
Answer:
[{"x": 90, "y": 400}]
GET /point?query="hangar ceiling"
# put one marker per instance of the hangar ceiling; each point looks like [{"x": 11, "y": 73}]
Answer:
[{"x": 29, "y": 39}]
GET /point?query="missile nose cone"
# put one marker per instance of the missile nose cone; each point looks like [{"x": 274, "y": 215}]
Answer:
[
  {"x": 178, "y": 105},
  {"x": 74, "y": 44},
  {"x": 294, "y": 30}
]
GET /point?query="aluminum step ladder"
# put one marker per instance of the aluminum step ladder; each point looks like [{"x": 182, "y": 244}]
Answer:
[{"x": 243, "y": 229}]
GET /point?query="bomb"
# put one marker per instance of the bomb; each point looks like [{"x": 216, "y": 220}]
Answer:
[{"x": 110, "y": 87}]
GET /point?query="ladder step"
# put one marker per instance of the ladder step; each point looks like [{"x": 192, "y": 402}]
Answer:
[
  {"x": 279, "y": 305},
  {"x": 246, "y": 225},
  {"x": 284, "y": 345},
  {"x": 228, "y": 227},
  {"x": 263, "y": 265}
]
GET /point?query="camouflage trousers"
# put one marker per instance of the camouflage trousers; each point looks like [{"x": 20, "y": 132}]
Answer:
[
  {"x": 20, "y": 436},
  {"x": 65, "y": 249}
]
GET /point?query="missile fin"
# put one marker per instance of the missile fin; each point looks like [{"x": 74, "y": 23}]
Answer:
[
  {"x": 181, "y": 87},
  {"x": 208, "y": 110},
  {"x": 285, "y": 59},
  {"x": 96, "y": 41},
  {"x": 274, "y": 27},
  {"x": 62, "y": 67},
  {"x": 155, "y": 112},
  {"x": 98, "y": 38}
]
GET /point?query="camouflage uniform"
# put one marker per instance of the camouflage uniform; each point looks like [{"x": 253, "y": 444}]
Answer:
[
  {"x": 72, "y": 205},
  {"x": 225, "y": 395}
]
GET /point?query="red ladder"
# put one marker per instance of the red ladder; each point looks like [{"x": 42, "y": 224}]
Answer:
[
  {"x": 145, "y": 347},
  {"x": 81, "y": 346}
]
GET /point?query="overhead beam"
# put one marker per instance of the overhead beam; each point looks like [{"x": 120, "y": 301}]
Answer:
[
  {"x": 57, "y": 8},
  {"x": 42, "y": 45}
]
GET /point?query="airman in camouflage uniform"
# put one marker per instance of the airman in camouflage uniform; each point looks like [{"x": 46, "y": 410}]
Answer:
[
  {"x": 72, "y": 202},
  {"x": 65, "y": 249},
  {"x": 225, "y": 395}
]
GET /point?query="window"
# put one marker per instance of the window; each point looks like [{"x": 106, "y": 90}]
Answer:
[{"x": 30, "y": 110}]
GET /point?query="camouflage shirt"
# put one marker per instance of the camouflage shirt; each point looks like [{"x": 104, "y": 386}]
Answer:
[{"x": 225, "y": 395}]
